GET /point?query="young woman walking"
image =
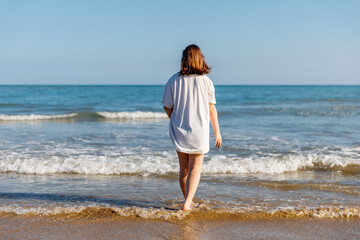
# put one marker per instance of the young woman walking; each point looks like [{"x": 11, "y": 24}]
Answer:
[{"x": 189, "y": 100}]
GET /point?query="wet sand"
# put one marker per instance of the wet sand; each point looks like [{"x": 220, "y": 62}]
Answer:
[{"x": 37, "y": 227}]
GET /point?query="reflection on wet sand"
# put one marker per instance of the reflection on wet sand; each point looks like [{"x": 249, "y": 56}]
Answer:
[{"x": 32, "y": 227}]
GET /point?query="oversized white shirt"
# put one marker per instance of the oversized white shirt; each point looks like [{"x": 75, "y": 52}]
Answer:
[{"x": 189, "y": 97}]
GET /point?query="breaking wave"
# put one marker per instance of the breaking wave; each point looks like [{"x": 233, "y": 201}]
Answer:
[
  {"x": 138, "y": 115},
  {"x": 133, "y": 115},
  {"x": 32, "y": 117},
  {"x": 346, "y": 160}
]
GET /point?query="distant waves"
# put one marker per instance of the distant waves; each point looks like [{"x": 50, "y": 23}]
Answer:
[{"x": 137, "y": 115}]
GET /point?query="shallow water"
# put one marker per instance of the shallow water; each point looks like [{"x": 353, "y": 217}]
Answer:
[{"x": 286, "y": 148}]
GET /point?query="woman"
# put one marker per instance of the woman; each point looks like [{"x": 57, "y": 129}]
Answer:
[{"x": 189, "y": 100}]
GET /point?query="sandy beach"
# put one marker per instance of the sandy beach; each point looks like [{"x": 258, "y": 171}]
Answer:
[{"x": 55, "y": 227}]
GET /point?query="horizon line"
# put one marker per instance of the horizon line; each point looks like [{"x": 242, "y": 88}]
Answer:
[{"x": 158, "y": 85}]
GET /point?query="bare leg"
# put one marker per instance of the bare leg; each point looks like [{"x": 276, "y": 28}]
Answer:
[
  {"x": 184, "y": 170},
  {"x": 195, "y": 163}
]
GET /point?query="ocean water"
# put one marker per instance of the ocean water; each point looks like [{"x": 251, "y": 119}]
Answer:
[{"x": 106, "y": 150}]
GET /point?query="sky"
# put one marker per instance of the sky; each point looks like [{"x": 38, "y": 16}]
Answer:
[{"x": 140, "y": 42}]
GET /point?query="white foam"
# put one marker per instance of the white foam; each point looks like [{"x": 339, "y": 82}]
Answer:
[
  {"x": 161, "y": 213},
  {"x": 41, "y": 210},
  {"x": 146, "y": 162},
  {"x": 89, "y": 164},
  {"x": 110, "y": 115},
  {"x": 133, "y": 115},
  {"x": 147, "y": 213},
  {"x": 330, "y": 212},
  {"x": 32, "y": 117},
  {"x": 276, "y": 164}
]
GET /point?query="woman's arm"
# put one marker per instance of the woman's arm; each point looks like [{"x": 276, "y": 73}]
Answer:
[
  {"x": 215, "y": 124},
  {"x": 168, "y": 111}
]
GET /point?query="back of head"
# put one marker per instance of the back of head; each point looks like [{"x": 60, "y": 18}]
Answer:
[{"x": 193, "y": 62}]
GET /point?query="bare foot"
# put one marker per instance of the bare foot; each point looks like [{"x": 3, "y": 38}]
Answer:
[{"x": 187, "y": 207}]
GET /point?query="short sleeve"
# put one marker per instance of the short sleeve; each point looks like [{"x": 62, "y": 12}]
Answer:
[
  {"x": 212, "y": 93},
  {"x": 167, "y": 99}
]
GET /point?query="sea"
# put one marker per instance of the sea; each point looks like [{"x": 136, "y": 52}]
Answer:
[{"x": 98, "y": 150}]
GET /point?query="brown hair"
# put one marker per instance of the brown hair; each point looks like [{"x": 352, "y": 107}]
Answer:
[{"x": 193, "y": 62}]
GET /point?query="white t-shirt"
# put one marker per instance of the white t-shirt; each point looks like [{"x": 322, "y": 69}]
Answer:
[{"x": 189, "y": 97}]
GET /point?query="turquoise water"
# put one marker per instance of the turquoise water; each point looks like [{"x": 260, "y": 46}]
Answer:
[{"x": 73, "y": 147}]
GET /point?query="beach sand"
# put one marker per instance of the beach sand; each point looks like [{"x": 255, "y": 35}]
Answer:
[{"x": 40, "y": 227}]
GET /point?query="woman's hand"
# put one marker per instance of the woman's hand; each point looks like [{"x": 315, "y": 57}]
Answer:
[{"x": 218, "y": 140}]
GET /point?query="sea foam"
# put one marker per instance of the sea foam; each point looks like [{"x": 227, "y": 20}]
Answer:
[
  {"x": 165, "y": 214},
  {"x": 32, "y": 117},
  {"x": 133, "y": 115},
  {"x": 165, "y": 162},
  {"x": 137, "y": 115}
]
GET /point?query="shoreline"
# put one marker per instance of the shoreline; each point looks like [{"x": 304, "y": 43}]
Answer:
[
  {"x": 172, "y": 214},
  {"x": 36, "y": 227}
]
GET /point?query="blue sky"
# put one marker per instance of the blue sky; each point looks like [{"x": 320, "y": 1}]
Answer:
[{"x": 140, "y": 42}]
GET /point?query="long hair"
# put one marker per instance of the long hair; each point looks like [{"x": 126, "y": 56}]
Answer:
[{"x": 193, "y": 62}]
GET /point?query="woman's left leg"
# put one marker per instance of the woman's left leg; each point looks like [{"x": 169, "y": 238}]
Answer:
[
  {"x": 193, "y": 179},
  {"x": 184, "y": 170}
]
